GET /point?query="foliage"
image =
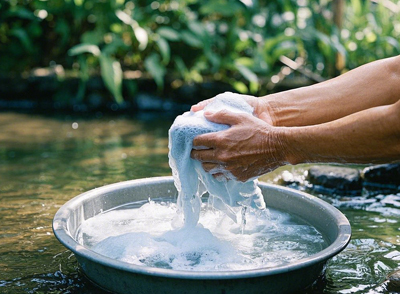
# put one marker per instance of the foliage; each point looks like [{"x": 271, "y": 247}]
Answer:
[
  {"x": 372, "y": 31},
  {"x": 238, "y": 42}
]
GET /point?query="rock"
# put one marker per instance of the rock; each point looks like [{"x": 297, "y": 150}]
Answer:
[
  {"x": 335, "y": 180},
  {"x": 392, "y": 282},
  {"x": 384, "y": 177},
  {"x": 288, "y": 179}
]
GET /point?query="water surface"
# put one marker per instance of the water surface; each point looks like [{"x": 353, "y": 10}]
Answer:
[
  {"x": 47, "y": 160},
  {"x": 152, "y": 234}
]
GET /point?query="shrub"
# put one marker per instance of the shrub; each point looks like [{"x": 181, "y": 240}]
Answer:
[{"x": 238, "y": 42}]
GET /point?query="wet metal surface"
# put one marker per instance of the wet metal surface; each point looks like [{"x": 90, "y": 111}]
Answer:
[{"x": 123, "y": 278}]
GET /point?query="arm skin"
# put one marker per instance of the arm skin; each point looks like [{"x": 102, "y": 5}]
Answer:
[
  {"x": 368, "y": 136},
  {"x": 373, "y": 84},
  {"x": 355, "y": 119},
  {"x": 251, "y": 147}
]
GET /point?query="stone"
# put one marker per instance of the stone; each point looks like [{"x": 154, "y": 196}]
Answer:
[
  {"x": 383, "y": 176},
  {"x": 392, "y": 282},
  {"x": 335, "y": 180}
]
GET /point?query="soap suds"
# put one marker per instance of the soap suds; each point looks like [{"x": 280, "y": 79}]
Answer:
[
  {"x": 190, "y": 178},
  {"x": 150, "y": 235},
  {"x": 144, "y": 235}
]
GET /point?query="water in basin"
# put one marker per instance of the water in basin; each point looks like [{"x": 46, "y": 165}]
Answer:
[{"x": 151, "y": 234}]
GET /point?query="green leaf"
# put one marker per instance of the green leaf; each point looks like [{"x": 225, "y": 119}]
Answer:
[
  {"x": 20, "y": 12},
  {"x": 357, "y": 7},
  {"x": 181, "y": 67},
  {"x": 190, "y": 39},
  {"x": 197, "y": 28},
  {"x": 164, "y": 50},
  {"x": 154, "y": 67},
  {"x": 270, "y": 43},
  {"x": 125, "y": 18},
  {"x": 63, "y": 29},
  {"x": 168, "y": 33},
  {"x": 92, "y": 37},
  {"x": 214, "y": 59},
  {"x": 240, "y": 87},
  {"x": 84, "y": 48},
  {"x": 245, "y": 61},
  {"x": 339, "y": 46},
  {"x": 112, "y": 75},
  {"x": 254, "y": 86},
  {"x": 23, "y": 37},
  {"x": 283, "y": 49},
  {"x": 112, "y": 48},
  {"x": 247, "y": 73},
  {"x": 140, "y": 33},
  {"x": 223, "y": 7},
  {"x": 393, "y": 42},
  {"x": 141, "y": 36}
]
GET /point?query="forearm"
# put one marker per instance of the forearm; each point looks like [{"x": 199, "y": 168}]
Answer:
[
  {"x": 369, "y": 136},
  {"x": 370, "y": 85}
]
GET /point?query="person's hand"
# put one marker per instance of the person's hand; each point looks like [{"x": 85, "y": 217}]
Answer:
[
  {"x": 260, "y": 105},
  {"x": 248, "y": 149}
]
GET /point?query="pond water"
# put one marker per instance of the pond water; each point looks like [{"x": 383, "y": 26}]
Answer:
[{"x": 47, "y": 160}]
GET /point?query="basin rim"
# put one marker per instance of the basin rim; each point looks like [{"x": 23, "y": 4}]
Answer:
[{"x": 61, "y": 232}]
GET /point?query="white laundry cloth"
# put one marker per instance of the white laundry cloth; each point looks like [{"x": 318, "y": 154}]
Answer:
[{"x": 190, "y": 178}]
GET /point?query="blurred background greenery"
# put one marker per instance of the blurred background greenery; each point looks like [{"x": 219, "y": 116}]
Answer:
[{"x": 251, "y": 45}]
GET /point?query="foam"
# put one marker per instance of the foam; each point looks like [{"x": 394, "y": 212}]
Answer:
[
  {"x": 190, "y": 178},
  {"x": 144, "y": 236}
]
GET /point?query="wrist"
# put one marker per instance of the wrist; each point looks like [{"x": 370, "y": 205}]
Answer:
[
  {"x": 291, "y": 143},
  {"x": 270, "y": 107},
  {"x": 286, "y": 109}
]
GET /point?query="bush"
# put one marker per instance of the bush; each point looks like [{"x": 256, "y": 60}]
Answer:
[{"x": 237, "y": 42}]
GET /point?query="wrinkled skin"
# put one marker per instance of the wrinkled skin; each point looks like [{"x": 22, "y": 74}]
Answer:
[
  {"x": 260, "y": 106},
  {"x": 248, "y": 149},
  {"x": 353, "y": 118}
]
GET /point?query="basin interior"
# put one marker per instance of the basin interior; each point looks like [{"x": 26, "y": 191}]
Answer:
[
  {"x": 330, "y": 222},
  {"x": 308, "y": 208}
]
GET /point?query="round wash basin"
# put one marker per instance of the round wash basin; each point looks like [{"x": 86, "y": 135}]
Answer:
[{"x": 122, "y": 277}]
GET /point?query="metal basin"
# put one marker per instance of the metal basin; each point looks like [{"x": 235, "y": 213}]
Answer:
[{"x": 122, "y": 277}]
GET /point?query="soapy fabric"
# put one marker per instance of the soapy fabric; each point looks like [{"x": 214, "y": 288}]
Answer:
[{"x": 190, "y": 178}]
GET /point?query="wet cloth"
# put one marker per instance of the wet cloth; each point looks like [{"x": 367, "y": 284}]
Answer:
[{"x": 190, "y": 178}]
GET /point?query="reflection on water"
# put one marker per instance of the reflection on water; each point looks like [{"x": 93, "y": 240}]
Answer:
[{"x": 45, "y": 161}]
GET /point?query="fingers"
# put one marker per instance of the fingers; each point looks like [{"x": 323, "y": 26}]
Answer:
[
  {"x": 208, "y": 166},
  {"x": 216, "y": 170},
  {"x": 219, "y": 170},
  {"x": 225, "y": 117},
  {"x": 220, "y": 177},
  {"x": 204, "y": 155},
  {"x": 206, "y": 141},
  {"x": 200, "y": 106}
]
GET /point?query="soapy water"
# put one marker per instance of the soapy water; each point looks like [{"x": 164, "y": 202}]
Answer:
[
  {"x": 148, "y": 234},
  {"x": 231, "y": 230}
]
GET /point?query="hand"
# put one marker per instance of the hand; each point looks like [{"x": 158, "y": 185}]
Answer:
[
  {"x": 260, "y": 105},
  {"x": 248, "y": 149}
]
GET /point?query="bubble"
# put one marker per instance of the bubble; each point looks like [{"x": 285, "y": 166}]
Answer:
[
  {"x": 145, "y": 236},
  {"x": 190, "y": 178}
]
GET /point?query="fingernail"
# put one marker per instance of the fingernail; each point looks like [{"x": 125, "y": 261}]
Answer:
[{"x": 208, "y": 112}]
